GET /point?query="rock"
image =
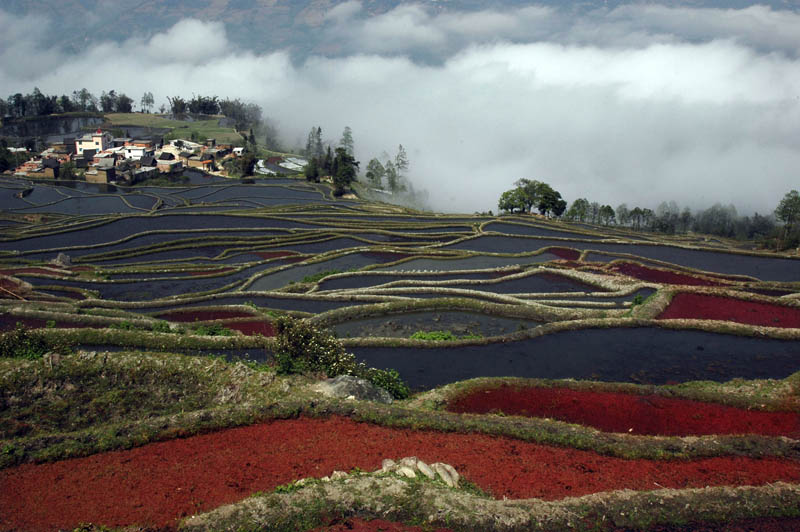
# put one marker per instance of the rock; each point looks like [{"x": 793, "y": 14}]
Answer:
[
  {"x": 409, "y": 461},
  {"x": 62, "y": 260},
  {"x": 425, "y": 469},
  {"x": 388, "y": 465},
  {"x": 443, "y": 473},
  {"x": 344, "y": 386},
  {"x": 453, "y": 473},
  {"x": 338, "y": 475},
  {"x": 406, "y": 471}
]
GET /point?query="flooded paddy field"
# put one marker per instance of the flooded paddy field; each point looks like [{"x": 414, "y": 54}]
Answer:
[
  {"x": 405, "y": 325},
  {"x": 641, "y": 355},
  {"x": 284, "y": 245}
]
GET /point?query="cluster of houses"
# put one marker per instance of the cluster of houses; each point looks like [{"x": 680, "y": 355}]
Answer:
[{"x": 104, "y": 158}]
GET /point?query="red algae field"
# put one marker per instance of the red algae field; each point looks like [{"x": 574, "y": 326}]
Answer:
[
  {"x": 654, "y": 275},
  {"x": 711, "y": 307},
  {"x": 623, "y": 412},
  {"x": 156, "y": 484}
]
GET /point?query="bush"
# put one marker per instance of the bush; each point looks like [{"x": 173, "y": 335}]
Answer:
[
  {"x": 161, "y": 326},
  {"x": 389, "y": 380},
  {"x": 302, "y": 348},
  {"x": 25, "y": 343}
]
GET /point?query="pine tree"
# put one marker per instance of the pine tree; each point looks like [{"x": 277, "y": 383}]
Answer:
[
  {"x": 326, "y": 167},
  {"x": 401, "y": 162},
  {"x": 392, "y": 180},
  {"x": 346, "y": 141},
  {"x": 346, "y": 168},
  {"x": 318, "y": 149},
  {"x": 375, "y": 173}
]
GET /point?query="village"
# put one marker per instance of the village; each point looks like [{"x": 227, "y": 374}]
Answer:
[{"x": 103, "y": 158}]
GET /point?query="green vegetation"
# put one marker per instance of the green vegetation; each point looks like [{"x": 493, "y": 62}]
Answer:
[
  {"x": 303, "y": 348},
  {"x": 443, "y": 336},
  {"x": 317, "y": 277},
  {"x": 214, "y": 329}
]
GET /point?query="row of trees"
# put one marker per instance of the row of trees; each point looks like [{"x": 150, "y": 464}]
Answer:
[
  {"x": 669, "y": 218},
  {"x": 529, "y": 194},
  {"x": 37, "y": 103}
]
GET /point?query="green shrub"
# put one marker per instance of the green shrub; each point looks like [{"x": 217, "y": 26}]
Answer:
[
  {"x": 161, "y": 326},
  {"x": 25, "y": 343},
  {"x": 389, "y": 380},
  {"x": 123, "y": 325},
  {"x": 303, "y": 348}
]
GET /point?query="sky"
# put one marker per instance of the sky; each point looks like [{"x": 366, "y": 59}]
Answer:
[{"x": 637, "y": 104}]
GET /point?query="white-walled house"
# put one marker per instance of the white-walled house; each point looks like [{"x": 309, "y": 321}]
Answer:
[
  {"x": 98, "y": 141},
  {"x": 137, "y": 152}
]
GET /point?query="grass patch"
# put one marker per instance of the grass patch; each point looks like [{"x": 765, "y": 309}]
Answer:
[
  {"x": 443, "y": 336},
  {"x": 179, "y": 129},
  {"x": 78, "y": 404},
  {"x": 317, "y": 277}
]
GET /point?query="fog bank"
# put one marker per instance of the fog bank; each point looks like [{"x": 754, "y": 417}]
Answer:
[{"x": 639, "y": 104}]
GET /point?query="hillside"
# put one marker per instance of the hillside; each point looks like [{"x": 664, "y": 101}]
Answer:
[{"x": 166, "y": 347}]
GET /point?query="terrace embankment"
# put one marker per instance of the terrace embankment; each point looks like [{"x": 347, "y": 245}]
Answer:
[
  {"x": 625, "y": 412},
  {"x": 161, "y": 482}
]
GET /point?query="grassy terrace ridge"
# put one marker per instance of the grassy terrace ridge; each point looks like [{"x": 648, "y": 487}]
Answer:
[
  {"x": 52, "y": 407},
  {"x": 431, "y": 504}
]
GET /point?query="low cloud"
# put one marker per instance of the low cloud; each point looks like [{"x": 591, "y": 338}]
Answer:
[{"x": 635, "y": 104}]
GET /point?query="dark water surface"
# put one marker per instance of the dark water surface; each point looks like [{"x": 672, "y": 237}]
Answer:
[{"x": 643, "y": 355}]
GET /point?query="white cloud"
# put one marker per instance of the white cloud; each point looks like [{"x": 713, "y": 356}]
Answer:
[
  {"x": 190, "y": 40},
  {"x": 617, "y": 106}
]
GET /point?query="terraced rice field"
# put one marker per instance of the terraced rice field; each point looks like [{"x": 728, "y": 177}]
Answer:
[{"x": 646, "y": 326}]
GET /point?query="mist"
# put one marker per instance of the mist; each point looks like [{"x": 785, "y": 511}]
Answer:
[{"x": 639, "y": 104}]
